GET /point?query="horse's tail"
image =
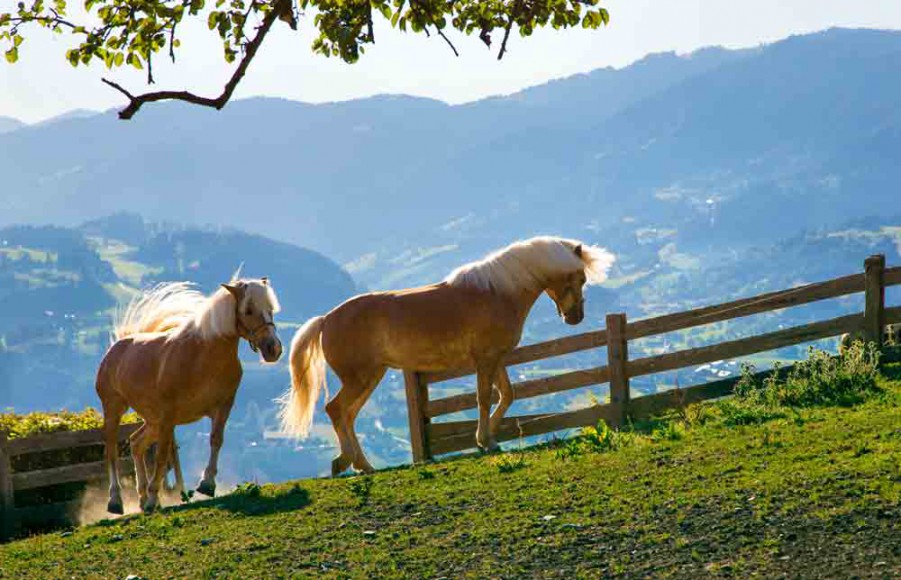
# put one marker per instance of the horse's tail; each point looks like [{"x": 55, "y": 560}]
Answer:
[
  {"x": 162, "y": 308},
  {"x": 307, "y": 363}
]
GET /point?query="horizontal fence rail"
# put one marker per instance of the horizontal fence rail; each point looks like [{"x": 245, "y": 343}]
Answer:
[
  {"x": 429, "y": 439},
  {"x": 12, "y": 481}
]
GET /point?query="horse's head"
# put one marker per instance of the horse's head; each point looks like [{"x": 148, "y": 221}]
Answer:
[
  {"x": 255, "y": 308},
  {"x": 566, "y": 288},
  {"x": 566, "y": 292}
]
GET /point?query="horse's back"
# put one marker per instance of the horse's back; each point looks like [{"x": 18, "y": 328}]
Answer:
[{"x": 426, "y": 328}]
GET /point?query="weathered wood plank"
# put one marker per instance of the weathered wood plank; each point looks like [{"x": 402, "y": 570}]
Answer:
[
  {"x": 874, "y": 299},
  {"x": 7, "y": 503},
  {"x": 744, "y": 346},
  {"x": 91, "y": 471},
  {"x": 618, "y": 360},
  {"x": 682, "y": 320},
  {"x": 41, "y": 514},
  {"x": 522, "y": 390},
  {"x": 417, "y": 403},
  {"x": 532, "y": 352},
  {"x": 460, "y": 435},
  {"x": 65, "y": 440},
  {"x": 893, "y": 315},
  {"x": 892, "y": 276},
  {"x": 746, "y": 306}
]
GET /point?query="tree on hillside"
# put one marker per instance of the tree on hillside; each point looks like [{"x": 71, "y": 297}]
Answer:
[{"x": 134, "y": 32}]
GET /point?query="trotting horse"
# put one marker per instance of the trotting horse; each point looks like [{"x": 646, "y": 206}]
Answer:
[
  {"x": 174, "y": 361},
  {"x": 470, "y": 320}
]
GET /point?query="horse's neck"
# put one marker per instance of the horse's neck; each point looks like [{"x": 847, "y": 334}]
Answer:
[
  {"x": 525, "y": 300},
  {"x": 221, "y": 346}
]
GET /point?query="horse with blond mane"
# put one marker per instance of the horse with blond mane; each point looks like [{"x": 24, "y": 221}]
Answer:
[
  {"x": 175, "y": 361},
  {"x": 470, "y": 320}
]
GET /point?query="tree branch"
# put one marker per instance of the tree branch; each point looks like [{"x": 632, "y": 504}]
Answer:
[
  {"x": 447, "y": 40},
  {"x": 507, "y": 30},
  {"x": 135, "y": 102}
]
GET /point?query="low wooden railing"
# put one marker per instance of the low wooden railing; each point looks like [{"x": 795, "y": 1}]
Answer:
[
  {"x": 11, "y": 481},
  {"x": 429, "y": 439}
]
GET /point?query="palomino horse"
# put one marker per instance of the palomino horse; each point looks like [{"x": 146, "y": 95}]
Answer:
[
  {"x": 175, "y": 360},
  {"x": 470, "y": 320}
]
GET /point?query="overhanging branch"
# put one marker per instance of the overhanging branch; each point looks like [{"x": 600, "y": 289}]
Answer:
[{"x": 135, "y": 102}]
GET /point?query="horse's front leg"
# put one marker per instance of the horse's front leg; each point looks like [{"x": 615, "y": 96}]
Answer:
[
  {"x": 484, "y": 436},
  {"x": 207, "y": 485},
  {"x": 506, "y": 398}
]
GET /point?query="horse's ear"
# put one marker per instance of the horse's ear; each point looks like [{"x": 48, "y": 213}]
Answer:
[
  {"x": 235, "y": 291},
  {"x": 265, "y": 280},
  {"x": 578, "y": 250}
]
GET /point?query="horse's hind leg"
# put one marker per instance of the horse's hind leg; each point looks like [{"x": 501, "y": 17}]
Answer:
[
  {"x": 176, "y": 466},
  {"x": 113, "y": 409},
  {"x": 139, "y": 441},
  {"x": 163, "y": 453},
  {"x": 343, "y": 409}
]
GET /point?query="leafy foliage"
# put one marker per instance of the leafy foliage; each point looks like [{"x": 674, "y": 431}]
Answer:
[
  {"x": 19, "y": 426},
  {"x": 132, "y": 32}
]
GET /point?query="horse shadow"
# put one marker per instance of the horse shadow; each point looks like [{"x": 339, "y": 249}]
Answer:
[{"x": 249, "y": 500}]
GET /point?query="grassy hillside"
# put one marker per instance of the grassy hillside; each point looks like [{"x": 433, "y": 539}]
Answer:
[{"x": 812, "y": 490}]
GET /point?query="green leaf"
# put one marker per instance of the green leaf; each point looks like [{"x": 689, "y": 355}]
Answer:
[{"x": 12, "y": 55}]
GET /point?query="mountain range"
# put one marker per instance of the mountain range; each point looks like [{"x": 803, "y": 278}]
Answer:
[{"x": 712, "y": 175}]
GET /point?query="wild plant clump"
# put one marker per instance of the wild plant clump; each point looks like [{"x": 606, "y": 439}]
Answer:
[
  {"x": 821, "y": 380},
  {"x": 595, "y": 440},
  {"x": 18, "y": 426}
]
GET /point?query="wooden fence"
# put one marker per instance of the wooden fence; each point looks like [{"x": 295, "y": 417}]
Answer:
[
  {"x": 11, "y": 481},
  {"x": 431, "y": 438}
]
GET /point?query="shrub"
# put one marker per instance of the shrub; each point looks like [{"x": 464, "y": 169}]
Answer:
[
  {"x": 595, "y": 440},
  {"x": 821, "y": 380}
]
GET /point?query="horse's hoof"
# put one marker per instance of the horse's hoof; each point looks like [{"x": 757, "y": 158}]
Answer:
[
  {"x": 115, "y": 507},
  {"x": 491, "y": 447},
  {"x": 365, "y": 468},
  {"x": 207, "y": 488},
  {"x": 339, "y": 465},
  {"x": 150, "y": 506}
]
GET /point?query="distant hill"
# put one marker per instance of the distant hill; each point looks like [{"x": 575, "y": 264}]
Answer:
[
  {"x": 8, "y": 124},
  {"x": 708, "y": 144},
  {"x": 60, "y": 286}
]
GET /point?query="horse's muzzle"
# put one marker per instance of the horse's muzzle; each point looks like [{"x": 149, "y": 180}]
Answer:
[
  {"x": 574, "y": 315},
  {"x": 271, "y": 349}
]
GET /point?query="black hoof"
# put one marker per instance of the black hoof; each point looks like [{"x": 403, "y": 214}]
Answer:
[
  {"x": 339, "y": 465},
  {"x": 207, "y": 489},
  {"x": 115, "y": 507}
]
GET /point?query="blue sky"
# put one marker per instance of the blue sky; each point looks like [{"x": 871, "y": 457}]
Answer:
[{"x": 42, "y": 84}]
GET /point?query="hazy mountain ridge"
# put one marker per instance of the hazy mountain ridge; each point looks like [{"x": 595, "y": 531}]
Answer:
[
  {"x": 547, "y": 158},
  {"x": 712, "y": 176}
]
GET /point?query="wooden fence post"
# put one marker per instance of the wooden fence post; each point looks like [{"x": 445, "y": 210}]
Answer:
[
  {"x": 874, "y": 306},
  {"x": 617, "y": 359},
  {"x": 417, "y": 401},
  {"x": 7, "y": 502}
]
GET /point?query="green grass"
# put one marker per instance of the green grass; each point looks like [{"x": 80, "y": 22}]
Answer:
[{"x": 813, "y": 493}]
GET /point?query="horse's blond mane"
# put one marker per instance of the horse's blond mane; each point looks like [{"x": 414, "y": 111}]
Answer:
[
  {"x": 178, "y": 307},
  {"x": 528, "y": 264}
]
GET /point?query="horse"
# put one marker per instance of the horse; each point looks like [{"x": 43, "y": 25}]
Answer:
[
  {"x": 175, "y": 360},
  {"x": 471, "y": 319}
]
